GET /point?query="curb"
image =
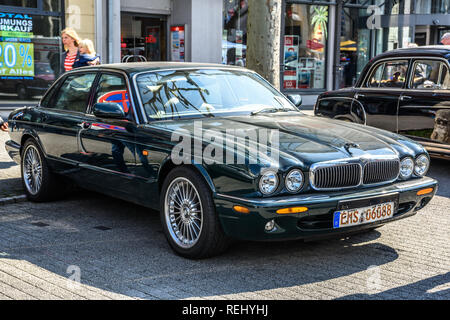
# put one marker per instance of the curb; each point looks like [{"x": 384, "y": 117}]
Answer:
[{"x": 11, "y": 200}]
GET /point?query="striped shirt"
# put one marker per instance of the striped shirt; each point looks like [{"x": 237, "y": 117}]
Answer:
[{"x": 70, "y": 59}]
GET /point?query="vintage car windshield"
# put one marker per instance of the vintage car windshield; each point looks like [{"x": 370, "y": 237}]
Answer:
[{"x": 178, "y": 94}]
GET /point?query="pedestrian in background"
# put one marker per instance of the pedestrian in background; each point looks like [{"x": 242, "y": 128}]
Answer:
[
  {"x": 70, "y": 40},
  {"x": 87, "y": 55},
  {"x": 3, "y": 125},
  {"x": 445, "y": 40}
]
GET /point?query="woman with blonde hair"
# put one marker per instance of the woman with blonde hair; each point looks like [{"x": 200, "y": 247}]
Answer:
[
  {"x": 70, "y": 40},
  {"x": 87, "y": 54}
]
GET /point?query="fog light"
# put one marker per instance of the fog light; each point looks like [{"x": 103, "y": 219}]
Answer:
[{"x": 270, "y": 225}]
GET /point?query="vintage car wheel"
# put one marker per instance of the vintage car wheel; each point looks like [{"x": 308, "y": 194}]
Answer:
[
  {"x": 188, "y": 216},
  {"x": 39, "y": 182}
]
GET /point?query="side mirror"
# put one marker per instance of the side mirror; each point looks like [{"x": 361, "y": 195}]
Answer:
[
  {"x": 296, "y": 99},
  {"x": 109, "y": 111}
]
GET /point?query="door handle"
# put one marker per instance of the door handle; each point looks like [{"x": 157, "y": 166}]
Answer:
[
  {"x": 403, "y": 98},
  {"x": 359, "y": 95}
]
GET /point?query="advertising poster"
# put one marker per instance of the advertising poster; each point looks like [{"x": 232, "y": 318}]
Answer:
[
  {"x": 16, "y": 48},
  {"x": 177, "y": 43},
  {"x": 290, "y": 62}
]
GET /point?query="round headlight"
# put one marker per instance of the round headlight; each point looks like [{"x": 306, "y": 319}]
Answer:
[
  {"x": 406, "y": 168},
  {"x": 268, "y": 182},
  {"x": 294, "y": 180},
  {"x": 422, "y": 165}
]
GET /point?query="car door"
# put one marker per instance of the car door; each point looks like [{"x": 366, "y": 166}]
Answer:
[
  {"x": 61, "y": 113},
  {"x": 424, "y": 108},
  {"x": 379, "y": 94},
  {"x": 107, "y": 146}
]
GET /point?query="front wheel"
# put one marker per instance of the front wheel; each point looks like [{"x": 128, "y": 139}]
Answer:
[
  {"x": 39, "y": 182},
  {"x": 188, "y": 215}
]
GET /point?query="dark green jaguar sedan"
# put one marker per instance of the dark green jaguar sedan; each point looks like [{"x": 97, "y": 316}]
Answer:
[{"x": 218, "y": 151}]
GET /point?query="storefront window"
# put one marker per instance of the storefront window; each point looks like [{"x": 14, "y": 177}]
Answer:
[
  {"x": 305, "y": 46},
  {"x": 30, "y": 51},
  {"x": 143, "y": 38},
  {"x": 432, "y": 6},
  {"x": 234, "y": 37},
  {"x": 20, "y": 3}
]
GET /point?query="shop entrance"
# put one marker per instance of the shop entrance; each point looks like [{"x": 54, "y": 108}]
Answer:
[{"x": 143, "y": 37}]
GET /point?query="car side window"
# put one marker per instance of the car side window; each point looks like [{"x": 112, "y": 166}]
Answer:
[
  {"x": 394, "y": 74},
  {"x": 375, "y": 79},
  {"x": 74, "y": 93},
  {"x": 445, "y": 77},
  {"x": 428, "y": 74},
  {"x": 112, "y": 88}
]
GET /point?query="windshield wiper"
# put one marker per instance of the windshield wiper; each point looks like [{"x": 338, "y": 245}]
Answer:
[{"x": 271, "y": 110}]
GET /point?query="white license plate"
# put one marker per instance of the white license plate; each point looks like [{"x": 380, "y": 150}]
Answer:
[{"x": 354, "y": 217}]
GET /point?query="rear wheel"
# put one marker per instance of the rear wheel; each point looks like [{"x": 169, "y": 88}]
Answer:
[
  {"x": 188, "y": 216},
  {"x": 39, "y": 182}
]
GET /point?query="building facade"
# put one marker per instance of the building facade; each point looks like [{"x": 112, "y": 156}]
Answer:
[{"x": 325, "y": 44}]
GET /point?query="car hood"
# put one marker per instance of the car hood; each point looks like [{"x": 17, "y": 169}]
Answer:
[{"x": 305, "y": 138}]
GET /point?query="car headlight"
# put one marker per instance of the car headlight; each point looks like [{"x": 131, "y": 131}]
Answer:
[
  {"x": 268, "y": 182},
  {"x": 294, "y": 180},
  {"x": 406, "y": 168},
  {"x": 422, "y": 165}
]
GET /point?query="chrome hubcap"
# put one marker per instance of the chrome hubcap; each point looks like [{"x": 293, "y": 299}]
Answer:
[
  {"x": 183, "y": 212},
  {"x": 32, "y": 170}
]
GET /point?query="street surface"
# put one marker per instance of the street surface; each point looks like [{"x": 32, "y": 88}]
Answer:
[{"x": 89, "y": 246}]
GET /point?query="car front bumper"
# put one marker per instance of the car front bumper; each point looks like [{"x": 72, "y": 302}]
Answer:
[{"x": 317, "y": 222}]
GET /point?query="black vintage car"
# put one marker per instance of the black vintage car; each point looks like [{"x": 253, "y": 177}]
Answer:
[
  {"x": 218, "y": 151},
  {"x": 406, "y": 91}
]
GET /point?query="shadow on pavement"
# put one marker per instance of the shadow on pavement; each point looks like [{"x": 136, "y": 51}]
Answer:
[
  {"x": 440, "y": 170},
  {"x": 434, "y": 288},
  {"x": 120, "y": 247}
]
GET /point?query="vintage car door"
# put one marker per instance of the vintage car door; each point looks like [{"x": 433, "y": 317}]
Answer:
[
  {"x": 424, "y": 109},
  {"x": 61, "y": 113},
  {"x": 107, "y": 146},
  {"x": 380, "y": 92}
]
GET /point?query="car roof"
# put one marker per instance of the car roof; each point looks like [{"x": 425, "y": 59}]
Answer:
[
  {"x": 137, "y": 67},
  {"x": 432, "y": 51}
]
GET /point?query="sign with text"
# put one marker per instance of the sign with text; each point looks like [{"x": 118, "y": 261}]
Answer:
[
  {"x": 16, "y": 48},
  {"x": 177, "y": 38}
]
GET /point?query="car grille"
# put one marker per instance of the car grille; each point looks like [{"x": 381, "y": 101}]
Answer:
[
  {"x": 348, "y": 175},
  {"x": 381, "y": 171},
  {"x": 337, "y": 176}
]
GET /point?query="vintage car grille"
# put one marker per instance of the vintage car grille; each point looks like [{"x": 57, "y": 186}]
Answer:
[
  {"x": 348, "y": 175},
  {"x": 381, "y": 171},
  {"x": 337, "y": 176}
]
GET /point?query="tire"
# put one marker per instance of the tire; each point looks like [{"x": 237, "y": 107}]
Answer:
[
  {"x": 39, "y": 183},
  {"x": 188, "y": 216}
]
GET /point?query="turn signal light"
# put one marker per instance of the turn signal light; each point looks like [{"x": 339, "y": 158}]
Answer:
[
  {"x": 425, "y": 191},
  {"x": 292, "y": 210},
  {"x": 241, "y": 209}
]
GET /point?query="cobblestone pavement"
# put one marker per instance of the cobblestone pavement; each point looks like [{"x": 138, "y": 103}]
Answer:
[{"x": 118, "y": 251}]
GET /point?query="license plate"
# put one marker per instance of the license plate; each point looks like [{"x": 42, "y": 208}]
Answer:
[{"x": 363, "y": 215}]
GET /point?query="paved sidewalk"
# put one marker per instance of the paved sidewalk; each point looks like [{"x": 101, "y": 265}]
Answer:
[{"x": 11, "y": 184}]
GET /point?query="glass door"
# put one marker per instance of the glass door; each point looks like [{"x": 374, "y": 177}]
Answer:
[{"x": 143, "y": 38}]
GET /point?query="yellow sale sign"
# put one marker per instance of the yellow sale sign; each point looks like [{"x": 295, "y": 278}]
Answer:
[{"x": 16, "y": 59}]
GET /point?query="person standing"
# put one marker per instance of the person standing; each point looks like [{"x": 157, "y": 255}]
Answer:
[
  {"x": 445, "y": 40},
  {"x": 70, "y": 40},
  {"x": 3, "y": 125}
]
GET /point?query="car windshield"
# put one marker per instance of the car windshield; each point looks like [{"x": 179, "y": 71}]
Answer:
[{"x": 178, "y": 94}]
